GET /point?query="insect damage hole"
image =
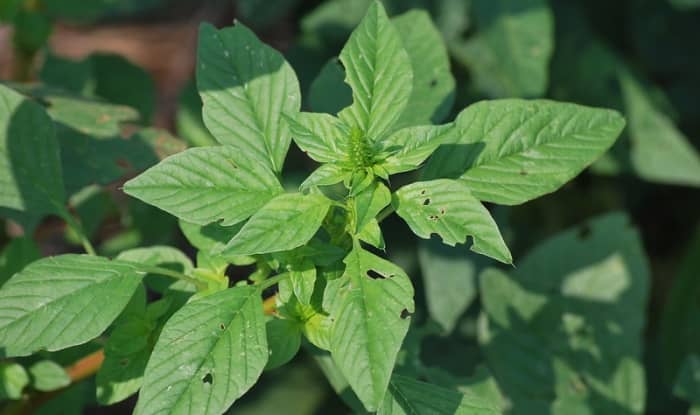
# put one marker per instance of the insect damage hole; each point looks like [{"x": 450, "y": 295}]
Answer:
[
  {"x": 222, "y": 326},
  {"x": 426, "y": 202},
  {"x": 208, "y": 379},
  {"x": 405, "y": 314},
  {"x": 374, "y": 274}
]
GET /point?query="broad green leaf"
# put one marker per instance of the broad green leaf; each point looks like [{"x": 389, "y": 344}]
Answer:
[
  {"x": 90, "y": 117},
  {"x": 372, "y": 234},
  {"x": 408, "y": 396},
  {"x": 30, "y": 165},
  {"x": 283, "y": 339},
  {"x": 681, "y": 314},
  {"x": 371, "y": 319},
  {"x": 322, "y": 136},
  {"x": 410, "y": 147},
  {"x": 447, "y": 208},
  {"x": 207, "y": 184},
  {"x": 48, "y": 376},
  {"x": 368, "y": 203},
  {"x": 286, "y": 222},
  {"x": 659, "y": 150},
  {"x": 13, "y": 380},
  {"x": 302, "y": 275},
  {"x": 449, "y": 276},
  {"x": 208, "y": 354},
  {"x": 575, "y": 299},
  {"x": 509, "y": 55},
  {"x": 379, "y": 71},
  {"x": 63, "y": 301},
  {"x": 687, "y": 384},
  {"x": 16, "y": 255},
  {"x": 246, "y": 86},
  {"x": 511, "y": 151},
  {"x": 126, "y": 354},
  {"x": 328, "y": 92},
  {"x": 432, "y": 95}
]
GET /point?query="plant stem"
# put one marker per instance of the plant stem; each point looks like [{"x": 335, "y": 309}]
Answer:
[
  {"x": 78, "y": 229},
  {"x": 172, "y": 274},
  {"x": 272, "y": 281},
  {"x": 385, "y": 213}
]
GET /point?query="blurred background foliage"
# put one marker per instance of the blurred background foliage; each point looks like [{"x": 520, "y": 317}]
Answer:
[{"x": 601, "y": 314}]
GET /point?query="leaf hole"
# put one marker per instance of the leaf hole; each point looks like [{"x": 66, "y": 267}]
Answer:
[
  {"x": 426, "y": 202},
  {"x": 374, "y": 274},
  {"x": 405, "y": 314},
  {"x": 208, "y": 379},
  {"x": 584, "y": 232},
  {"x": 442, "y": 211},
  {"x": 222, "y": 326},
  {"x": 433, "y": 83},
  {"x": 423, "y": 192},
  {"x": 124, "y": 362},
  {"x": 523, "y": 173},
  {"x": 433, "y": 217}
]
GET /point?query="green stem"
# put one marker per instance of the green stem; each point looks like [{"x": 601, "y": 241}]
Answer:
[
  {"x": 172, "y": 274},
  {"x": 272, "y": 281},
  {"x": 385, "y": 213},
  {"x": 78, "y": 229}
]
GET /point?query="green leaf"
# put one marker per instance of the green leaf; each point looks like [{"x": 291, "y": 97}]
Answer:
[
  {"x": 511, "y": 151},
  {"x": 368, "y": 203},
  {"x": 321, "y": 136},
  {"x": 328, "y": 92},
  {"x": 63, "y": 301},
  {"x": 286, "y": 222},
  {"x": 246, "y": 86},
  {"x": 447, "y": 208},
  {"x": 126, "y": 354},
  {"x": 449, "y": 276},
  {"x": 207, "y": 184},
  {"x": 509, "y": 56},
  {"x": 325, "y": 175},
  {"x": 372, "y": 234},
  {"x": 283, "y": 339},
  {"x": 577, "y": 298},
  {"x": 48, "y": 376},
  {"x": 188, "y": 120},
  {"x": 687, "y": 384},
  {"x": 410, "y": 147},
  {"x": 209, "y": 353},
  {"x": 13, "y": 380},
  {"x": 30, "y": 165},
  {"x": 209, "y": 238},
  {"x": 302, "y": 274},
  {"x": 679, "y": 336},
  {"x": 371, "y": 319},
  {"x": 432, "y": 95},
  {"x": 408, "y": 396},
  {"x": 379, "y": 71},
  {"x": 659, "y": 150},
  {"x": 16, "y": 255}
]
